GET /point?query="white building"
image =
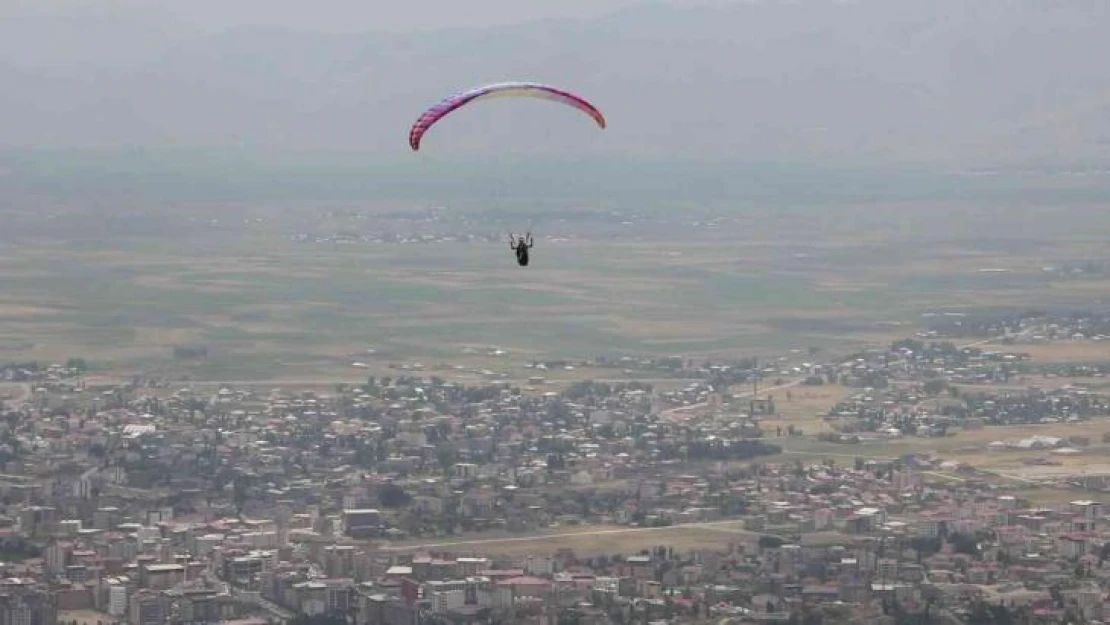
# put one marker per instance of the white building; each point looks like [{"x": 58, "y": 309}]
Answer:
[
  {"x": 117, "y": 599},
  {"x": 447, "y": 600}
]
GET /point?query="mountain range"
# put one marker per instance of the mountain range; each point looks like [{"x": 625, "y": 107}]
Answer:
[{"x": 950, "y": 83}]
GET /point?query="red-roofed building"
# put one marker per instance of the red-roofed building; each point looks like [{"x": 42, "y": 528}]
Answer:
[{"x": 526, "y": 586}]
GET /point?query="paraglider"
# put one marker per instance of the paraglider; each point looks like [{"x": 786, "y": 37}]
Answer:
[
  {"x": 499, "y": 90},
  {"x": 521, "y": 246},
  {"x": 445, "y": 107}
]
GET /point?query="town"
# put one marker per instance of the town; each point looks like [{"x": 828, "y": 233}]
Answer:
[{"x": 938, "y": 483}]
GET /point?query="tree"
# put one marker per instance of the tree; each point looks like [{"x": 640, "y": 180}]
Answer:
[
  {"x": 824, "y": 488},
  {"x": 925, "y": 547},
  {"x": 935, "y": 386},
  {"x": 1057, "y": 597},
  {"x": 1080, "y": 570},
  {"x": 240, "y": 493},
  {"x": 445, "y": 456},
  {"x": 962, "y": 543},
  {"x": 16, "y": 549},
  {"x": 393, "y": 496},
  {"x": 768, "y": 541}
]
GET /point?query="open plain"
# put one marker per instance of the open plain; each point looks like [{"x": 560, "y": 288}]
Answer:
[{"x": 288, "y": 291}]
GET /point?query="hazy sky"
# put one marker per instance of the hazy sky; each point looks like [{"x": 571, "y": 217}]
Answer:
[{"x": 333, "y": 15}]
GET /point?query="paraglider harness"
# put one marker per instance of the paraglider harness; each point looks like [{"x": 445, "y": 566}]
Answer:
[{"x": 521, "y": 248}]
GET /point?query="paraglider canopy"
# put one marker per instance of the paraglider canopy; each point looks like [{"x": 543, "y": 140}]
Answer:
[{"x": 499, "y": 90}]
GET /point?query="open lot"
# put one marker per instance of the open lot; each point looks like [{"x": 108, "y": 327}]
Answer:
[
  {"x": 598, "y": 540},
  {"x": 1063, "y": 351},
  {"x": 964, "y": 446},
  {"x": 1010, "y": 468},
  {"x": 803, "y": 407}
]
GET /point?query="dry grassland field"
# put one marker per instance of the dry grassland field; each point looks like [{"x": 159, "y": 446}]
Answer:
[
  {"x": 587, "y": 541},
  {"x": 290, "y": 309},
  {"x": 803, "y": 407},
  {"x": 1064, "y": 351},
  {"x": 288, "y": 290},
  {"x": 971, "y": 448},
  {"x": 597, "y": 540}
]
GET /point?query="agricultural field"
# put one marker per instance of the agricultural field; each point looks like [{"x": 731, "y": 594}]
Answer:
[{"x": 291, "y": 289}]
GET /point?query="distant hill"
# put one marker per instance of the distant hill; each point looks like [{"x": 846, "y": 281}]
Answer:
[{"x": 953, "y": 83}]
